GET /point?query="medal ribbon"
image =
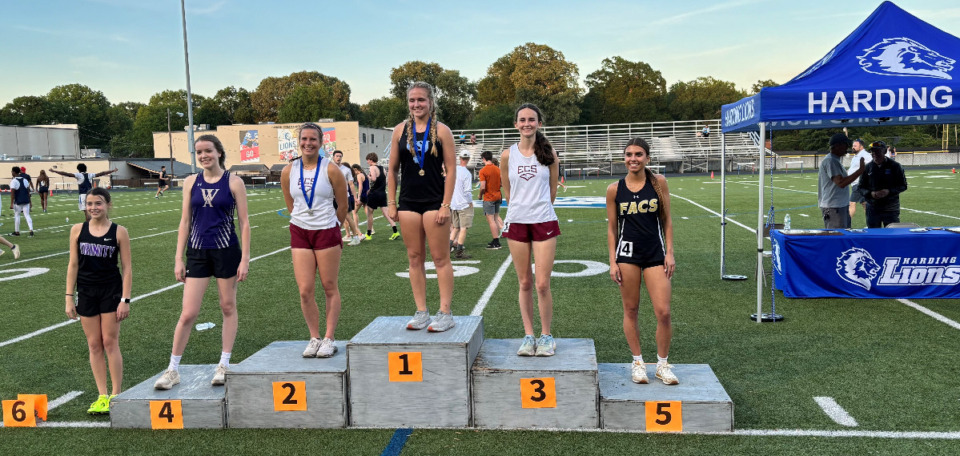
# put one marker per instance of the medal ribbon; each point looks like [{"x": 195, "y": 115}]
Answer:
[
  {"x": 421, "y": 145},
  {"x": 313, "y": 187}
]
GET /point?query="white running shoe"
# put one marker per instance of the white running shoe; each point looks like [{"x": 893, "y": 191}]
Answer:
[
  {"x": 528, "y": 347},
  {"x": 441, "y": 322},
  {"x": 638, "y": 373},
  {"x": 666, "y": 375},
  {"x": 220, "y": 376},
  {"x": 354, "y": 241},
  {"x": 420, "y": 320},
  {"x": 167, "y": 380},
  {"x": 16, "y": 252},
  {"x": 327, "y": 348},
  {"x": 312, "y": 347}
]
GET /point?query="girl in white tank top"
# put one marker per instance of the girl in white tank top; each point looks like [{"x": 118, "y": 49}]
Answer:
[
  {"x": 531, "y": 225},
  {"x": 321, "y": 214}
]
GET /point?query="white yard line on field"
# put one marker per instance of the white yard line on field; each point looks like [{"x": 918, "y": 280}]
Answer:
[
  {"x": 63, "y": 399},
  {"x": 713, "y": 212},
  {"x": 135, "y": 299},
  {"x": 931, "y": 313},
  {"x": 835, "y": 411},
  {"x": 488, "y": 293}
]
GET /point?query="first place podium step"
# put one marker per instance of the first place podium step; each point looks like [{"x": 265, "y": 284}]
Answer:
[{"x": 404, "y": 378}]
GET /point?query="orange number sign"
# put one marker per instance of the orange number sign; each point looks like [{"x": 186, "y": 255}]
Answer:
[
  {"x": 289, "y": 396},
  {"x": 166, "y": 414},
  {"x": 405, "y": 366},
  {"x": 664, "y": 416},
  {"x": 538, "y": 392}
]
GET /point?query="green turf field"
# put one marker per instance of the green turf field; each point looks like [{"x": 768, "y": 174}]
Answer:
[{"x": 891, "y": 367}]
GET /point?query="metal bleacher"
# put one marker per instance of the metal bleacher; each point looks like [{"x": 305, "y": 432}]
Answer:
[{"x": 597, "y": 149}]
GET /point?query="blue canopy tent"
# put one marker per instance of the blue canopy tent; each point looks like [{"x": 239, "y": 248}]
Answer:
[{"x": 894, "y": 69}]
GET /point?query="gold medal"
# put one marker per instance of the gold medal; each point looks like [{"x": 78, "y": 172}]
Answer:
[{"x": 421, "y": 172}]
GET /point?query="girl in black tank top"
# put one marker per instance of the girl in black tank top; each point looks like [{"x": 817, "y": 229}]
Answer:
[
  {"x": 102, "y": 292},
  {"x": 640, "y": 244},
  {"x": 421, "y": 148}
]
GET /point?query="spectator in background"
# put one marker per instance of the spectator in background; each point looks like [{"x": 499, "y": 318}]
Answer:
[
  {"x": 864, "y": 154},
  {"x": 832, "y": 192},
  {"x": 377, "y": 196},
  {"x": 891, "y": 152},
  {"x": 705, "y": 132},
  {"x": 162, "y": 182},
  {"x": 353, "y": 231},
  {"x": 20, "y": 189},
  {"x": 84, "y": 182},
  {"x": 491, "y": 196},
  {"x": 461, "y": 207},
  {"x": 43, "y": 187},
  {"x": 881, "y": 185},
  {"x": 473, "y": 138}
]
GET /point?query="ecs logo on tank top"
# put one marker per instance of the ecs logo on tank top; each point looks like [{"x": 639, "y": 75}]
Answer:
[
  {"x": 527, "y": 172},
  {"x": 641, "y": 207}
]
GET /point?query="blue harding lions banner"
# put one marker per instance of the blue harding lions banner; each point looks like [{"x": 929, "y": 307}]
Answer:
[
  {"x": 878, "y": 263},
  {"x": 893, "y": 69}
]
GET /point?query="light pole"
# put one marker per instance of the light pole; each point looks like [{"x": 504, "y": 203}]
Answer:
[
  {"x": 186, "y": 59},
  {"x": 170, "y": 139}
]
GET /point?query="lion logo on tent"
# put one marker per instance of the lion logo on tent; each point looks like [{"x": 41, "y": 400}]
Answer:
[
  {"x": 857, "y": 267},
  {"x": 905, "y": 57}
]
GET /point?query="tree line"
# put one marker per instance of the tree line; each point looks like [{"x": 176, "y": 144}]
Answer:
[{"x": 620, "y": 91}]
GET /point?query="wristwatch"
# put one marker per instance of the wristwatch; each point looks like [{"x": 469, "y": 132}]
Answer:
[{"x": 126, "y": 300}]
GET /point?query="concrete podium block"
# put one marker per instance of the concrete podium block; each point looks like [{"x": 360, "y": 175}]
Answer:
[
  {"x": 270, "y": 379},
  {"x": 526, "y": 392},
  {"x": 705, "y": 405},
  {"x": 202, "y": 404},
  {"x": 404, "y": 378}
]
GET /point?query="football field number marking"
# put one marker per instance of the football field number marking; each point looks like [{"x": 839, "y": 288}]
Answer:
[
  {"x": 538, "y": 392},
  {"x": 166, "y": 414},
  {"x": 664, "y": 416},
  {"x": 23, "y": 273},
  {"x": 289, "y": 396},
  {"x": 405, "y": 366}
]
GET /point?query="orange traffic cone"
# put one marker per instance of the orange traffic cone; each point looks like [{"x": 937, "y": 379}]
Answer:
[
  {"x": 711, "y": 174},
  {"x": 954, "y": 171}
]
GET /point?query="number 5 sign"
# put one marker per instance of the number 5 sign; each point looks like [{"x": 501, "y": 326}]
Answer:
[{"x": 664, "y": 416}]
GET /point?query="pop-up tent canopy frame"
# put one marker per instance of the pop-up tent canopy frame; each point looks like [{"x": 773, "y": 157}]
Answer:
[{"x": 894, "y": 69}]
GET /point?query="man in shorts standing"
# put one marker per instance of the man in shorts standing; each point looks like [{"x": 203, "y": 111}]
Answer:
[
  {"x": 490, "y": 194},
  {"x": 462, "y": 207},
  {"x": 833, "y": 195},
  {"x": 855, "y": 196}
]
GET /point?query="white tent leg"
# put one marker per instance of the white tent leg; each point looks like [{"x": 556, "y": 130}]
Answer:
[{"x": 760, "y": 212}]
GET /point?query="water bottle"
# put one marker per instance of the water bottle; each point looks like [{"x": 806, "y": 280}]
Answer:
[
  {"x": 786, "y": 222},
  {"x": 205, "y": 326}
]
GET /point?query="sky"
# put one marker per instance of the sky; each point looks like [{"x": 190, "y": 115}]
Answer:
[{"x": 132, "y": 49}]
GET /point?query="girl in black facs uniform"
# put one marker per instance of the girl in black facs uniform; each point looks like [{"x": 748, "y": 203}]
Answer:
[
  {"x": 102, "y": 292},
  {"x": 640, "y": 242}
]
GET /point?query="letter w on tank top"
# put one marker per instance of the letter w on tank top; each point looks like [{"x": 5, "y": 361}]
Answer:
[{"x": 208, "y": 195}]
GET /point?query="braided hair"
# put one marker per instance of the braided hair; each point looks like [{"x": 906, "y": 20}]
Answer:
[
  {"x": 650, "y": 175},
  {"x": 431, "y": 94},
  {"x": 541, "y": 145}
]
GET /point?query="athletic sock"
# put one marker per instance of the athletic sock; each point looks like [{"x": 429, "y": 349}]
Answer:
[
  {"x": 225, "y": 359},
  {"x": 394, "y": 228},
  {"x": 661, "y": 360},
  {"x": 174, "y": 363},
  {"x": 369, "y": 232},
  {"x": 638, "y": 359}
]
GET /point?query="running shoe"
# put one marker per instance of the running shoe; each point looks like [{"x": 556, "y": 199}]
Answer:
[
  {"x": 638, "y": 373},
  {"x": 167, "y": 380},
  {"x": 96, "y": 408},
  {"x": 441, "y": 322},
  {"x": 494, "y": 245},
  {"x": 312, "y": 347},
  {"x": 372, "y": 232},
  {"x": 452, "y": 246},
  {"x": 666, "y": 375},
  {"x": 220, "y": 376},
  {"x": 31, "y": 233},
  {"x": 16, "y": 251},
  {"x": 528, "y": 347},
  {"x": 546, "y": 346},
  {"x": 368, "y": 238},
  {"x": 15, "y": 233},
  {"x": 395, "y": 236},
  {"x": 420, "y": 320},
  {"x": 460, "y": 255},
  {"x": 347, "y": 238},
  {"x": 354, "y": 241},
  {"x": 106, "y": 409},
  {"x": 327, "y": 348}
]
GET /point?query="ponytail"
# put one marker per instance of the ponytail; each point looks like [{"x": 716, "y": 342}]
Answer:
[{"x": 541, "y": 145}]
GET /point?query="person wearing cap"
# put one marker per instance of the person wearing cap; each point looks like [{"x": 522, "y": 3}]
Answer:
[
  {"x": 861, "y": 153},
  {"x": 881, "y": 184},
  {"x": 462, "y": 207},
  {"x": 832, "y": 192}
]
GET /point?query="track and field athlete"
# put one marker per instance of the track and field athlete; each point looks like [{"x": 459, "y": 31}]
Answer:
[
  {"x": 162, "y": 182},
  {"x": 43, "y": 188},
  {"x": 529, "y": 171},
  {"x": 20, "y": 197},
  {"x": 102, "y": 292},
  {"x": 311, "y": 184},
  {"x": 207, "y": 233},
  {"x": 377, "y": 196},
  {"x": 640, "y": 242},
  {"x": 84, "y": 183},
  {"x": 421, "y": 148}
]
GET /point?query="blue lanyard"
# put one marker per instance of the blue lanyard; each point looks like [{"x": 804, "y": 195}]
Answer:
[
  {"x": 313, "y": 187},
  {"x": 422, "y": 144}
]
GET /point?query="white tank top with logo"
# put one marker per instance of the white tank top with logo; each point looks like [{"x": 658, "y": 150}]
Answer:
[
  {"x": 321, "y": 215},
  {"x": 529, "y": 190}
]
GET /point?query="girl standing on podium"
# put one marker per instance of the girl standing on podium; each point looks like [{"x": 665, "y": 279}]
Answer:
[
  {"x": 421, "y": 147},
  {"x": 640, "y": 242},
  {"x": 529, "y": 171},
  {"x": 207, "y": 233},
  {"x": 101, "y": 290},
  {"x": 315, "y": 192}
]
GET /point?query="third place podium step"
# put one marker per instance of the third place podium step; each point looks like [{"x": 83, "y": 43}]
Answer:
[{"x": 404, "y": 378}]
